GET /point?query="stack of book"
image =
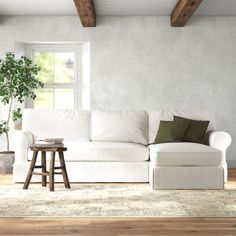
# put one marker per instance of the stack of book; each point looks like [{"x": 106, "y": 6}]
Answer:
[{"x": 49, "y": 142}]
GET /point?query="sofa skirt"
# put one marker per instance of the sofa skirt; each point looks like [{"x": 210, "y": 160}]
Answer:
[
  {"x": 186, "y": 177},
  {"x": 92, "y": 172}
]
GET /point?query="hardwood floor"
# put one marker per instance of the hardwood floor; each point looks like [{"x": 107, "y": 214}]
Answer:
[
  {"x": 232, "y": 175},
  {"x": 118, "y": 226},
  {"x": 121, "y": 226}
]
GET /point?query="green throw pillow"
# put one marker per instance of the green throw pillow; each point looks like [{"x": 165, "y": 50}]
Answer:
[
  {"x": 171, "y": 131},
  {"x": 196, "y": 131}
]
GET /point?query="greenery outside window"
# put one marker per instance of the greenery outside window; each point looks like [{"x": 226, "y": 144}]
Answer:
[{"x": 59, "y": 73}]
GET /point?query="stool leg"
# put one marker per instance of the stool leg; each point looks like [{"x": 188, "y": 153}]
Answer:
[
  {"x": 63, "y": 169},
  {"x": 51, "y": 172},
  {"x": 44, "y": 168},
  {"x": 31, "y": 169}
]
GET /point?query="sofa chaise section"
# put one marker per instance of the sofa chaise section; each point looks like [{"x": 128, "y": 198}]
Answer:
[{"x": 188, "y": 165}]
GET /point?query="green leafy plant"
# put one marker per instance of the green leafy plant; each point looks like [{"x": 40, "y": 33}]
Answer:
[{"x": 18, "y": 80}]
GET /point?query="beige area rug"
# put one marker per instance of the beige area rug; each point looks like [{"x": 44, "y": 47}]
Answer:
[{"x": 115, "y": 200}]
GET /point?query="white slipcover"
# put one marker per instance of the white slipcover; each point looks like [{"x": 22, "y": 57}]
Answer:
[
  {"x": 117, "y": 154},
  {"x": 187, "y": 177},
  {"x": 72, "y": 125},
  {"x": 185, "y": 154},
  {"x": 104, "y": 151},
  {"x": 119, "y": 126},
  {"x": 92, "y": 171}
]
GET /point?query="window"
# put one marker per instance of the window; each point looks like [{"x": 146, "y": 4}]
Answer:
[{"x": 59, "y": 67}]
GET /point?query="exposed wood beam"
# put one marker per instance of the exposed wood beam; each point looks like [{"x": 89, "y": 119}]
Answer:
[
  {"x": 183, "y": 11},
  {"x": 86, "y": 12}
]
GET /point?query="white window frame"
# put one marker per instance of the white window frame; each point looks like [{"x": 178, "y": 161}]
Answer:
[{"x": 77, "y": 85}]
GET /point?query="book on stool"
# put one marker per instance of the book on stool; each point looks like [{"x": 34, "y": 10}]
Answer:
[{"x": 48, "y": 142}]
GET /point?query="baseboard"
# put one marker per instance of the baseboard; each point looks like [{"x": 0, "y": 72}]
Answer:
[{"x": 231, "y": 163}]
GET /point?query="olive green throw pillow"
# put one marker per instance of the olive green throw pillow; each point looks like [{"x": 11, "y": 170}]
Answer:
[
  {"x": 171, "y": 131},
  {"x": 196, "y": 131}
]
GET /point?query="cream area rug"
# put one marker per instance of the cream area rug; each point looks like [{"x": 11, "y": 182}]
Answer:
[{"x": 115, "y": 200}]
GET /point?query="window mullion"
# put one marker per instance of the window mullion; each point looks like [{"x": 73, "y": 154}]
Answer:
[
  {"x": 59, "y": 85},
  {"x": 54, "y": 105}
]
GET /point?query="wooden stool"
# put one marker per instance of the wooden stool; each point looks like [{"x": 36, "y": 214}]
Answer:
[{"x": 43, "y": 166}]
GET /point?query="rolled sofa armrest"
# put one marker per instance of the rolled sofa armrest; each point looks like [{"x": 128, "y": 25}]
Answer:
[
  {"x": 220, "y": 140},
  {"x": 22, "y": 140}
]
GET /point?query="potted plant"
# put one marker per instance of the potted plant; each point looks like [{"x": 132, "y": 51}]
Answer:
[{"x": 17, "y": 81}]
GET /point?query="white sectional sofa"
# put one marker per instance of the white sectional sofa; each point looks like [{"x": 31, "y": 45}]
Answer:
[{"x": 116, "y": 146}]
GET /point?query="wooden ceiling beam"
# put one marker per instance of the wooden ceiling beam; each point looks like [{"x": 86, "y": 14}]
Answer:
[
  {"x": 86, "y": 12},
  {"x": 183, "y": 11}
]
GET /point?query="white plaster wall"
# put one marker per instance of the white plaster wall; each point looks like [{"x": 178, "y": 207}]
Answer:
[{"x": 143, "y": 63}]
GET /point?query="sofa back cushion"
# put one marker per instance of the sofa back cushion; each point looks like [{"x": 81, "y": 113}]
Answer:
[
  {"x": 168, "y": 114},
  {"x": 119, "y": 126},
  {"x": 72, "y": 125}
]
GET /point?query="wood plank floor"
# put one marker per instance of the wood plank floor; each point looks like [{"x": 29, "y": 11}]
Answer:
[{"x": 123, "y": 226}]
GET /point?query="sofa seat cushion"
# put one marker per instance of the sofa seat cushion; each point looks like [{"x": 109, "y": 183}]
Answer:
[
  {"x": 185, "y": 154},
  {"x": 104, "y": 151}
]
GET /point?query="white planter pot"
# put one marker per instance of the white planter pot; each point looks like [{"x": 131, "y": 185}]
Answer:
[{"x": 6, "y": 162}]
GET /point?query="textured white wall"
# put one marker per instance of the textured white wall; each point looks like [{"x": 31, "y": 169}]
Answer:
[{"x": 143, "y": 63}]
